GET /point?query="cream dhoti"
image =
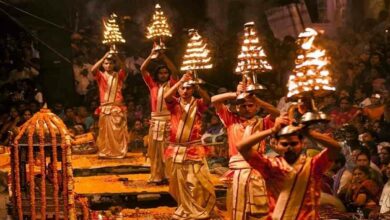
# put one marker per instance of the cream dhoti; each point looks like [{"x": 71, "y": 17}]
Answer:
[
  {"x": 248, "y": 196},
  {"x": 158, "y": 132},
  {"x": 190, "y": 184},
  {"x": 112, "y": 138}
]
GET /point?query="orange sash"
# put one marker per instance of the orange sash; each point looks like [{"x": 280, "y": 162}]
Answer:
[
  {"x": 161, "y": 106},
  {"x": 160, "y": 119},
  {"x": 109, "y": 96},
  {"x": 184, "y": 129},
  {"x": 292, "y": 196}
]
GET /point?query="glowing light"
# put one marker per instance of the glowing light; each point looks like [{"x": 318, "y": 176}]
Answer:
[
  {"x": 196, "y": 56},
  {"x": 252, "y": 56},
  {"x": 159, "y": 25},
  {"x": 112, "y": 34},
  {"x": 311, "y": 68}
]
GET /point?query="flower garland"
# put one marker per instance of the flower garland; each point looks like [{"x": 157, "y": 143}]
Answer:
[
  {"x": 64, "y": 177},
  {"x": 38, "y": 123},
  {"x": 54, "y": 166},
  {"x": 31, "y": 171},
  {"x": 69, "y": 176},
  {"x": 17, "y": 181},
  {"x": 43, "y": 166},
  {"x": 16, "y": 164},
  {"x": 83, "y": 201}
]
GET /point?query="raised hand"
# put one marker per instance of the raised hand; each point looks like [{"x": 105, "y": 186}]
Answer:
[
  {"x": 241, "y": 87},
  {"x": 280, "y": 122},
  {"x": 186, "y": 77},
  {"x": 154, "y": 53}
]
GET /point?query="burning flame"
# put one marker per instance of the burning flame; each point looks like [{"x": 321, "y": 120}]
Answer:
[
  {"x": 112, "y": 33},
  {"x": 197, "y": 56},
  {"x": 310, "y": 73},
  {"x": 252, "y": 56},
  {"x": 159, "y": 26}
]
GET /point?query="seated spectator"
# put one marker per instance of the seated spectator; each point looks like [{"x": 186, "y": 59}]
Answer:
[
  {"x": 139, "y": 112},
  {"x": 384, "y": 156},
  {"x": 358, "y": 96},
  {"x": 34, "y": 106},
  {"x": 384, "y": 201},
  {"x": 10, "y": 123},
  {"x": 362, "y": 192},
  {"x": 375, "y": 110},
  {"x": 58, "y": 109},
  {"x": 342, "y": 176},
  {"x": 136, "y": 137},
  {"x": 344, "y": 114},
  {"x": 215, "y": 138},
  {"x": 70, "y": 117},
  {"x": 84, "y": 117},
  {"x": 25, "y": 117},
  {"x": 363, "y": 159},
  {"x": 329, "y": 104}
]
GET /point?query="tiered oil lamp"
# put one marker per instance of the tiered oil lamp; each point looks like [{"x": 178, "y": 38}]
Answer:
[
  {"x": 112, "y": 35},
  {"x": 251, "y": 61},
  {"x": 158, "y": 29},
  {"x": 196, "y": 57}
]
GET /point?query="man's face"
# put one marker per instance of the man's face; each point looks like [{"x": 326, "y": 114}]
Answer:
[
  {"x": 375, "y": 60},
  {"x": 349, "y": 136},
  {"x": 362, "y": 160},
  {"x": 374, "y": 100},
  {"x": 330, "y": 100},
  {"x": 69, "y": 113},
  {"x": 130, "y": 106},
  {"x": 344, "y": 105},
  {"x": 367, "y": 137},
  {"x": 27, "y": 115},
  {"x": 58, "y": 107},
  {"x": 248, "y": 109},
  {"x": 163, "y": 75},
  {"x": 108, "y": 65},
  {"x": 364, "y": 56},
  {"x": 388, "y": 170},
  {"x": 290, "y": 147},
  {"x": 359, "y": 176},
  {"x": 138, "y": 125},
  {"x": 384, "y": 156},
  {"x": 83, "y": 111},
  {"x": 358, "y": 94},
  {"x": 186, "y": 92},
  {"x": 33, "y": 107}
]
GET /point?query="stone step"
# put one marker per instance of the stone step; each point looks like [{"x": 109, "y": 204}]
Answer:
[{"x": 92, "y": 165}]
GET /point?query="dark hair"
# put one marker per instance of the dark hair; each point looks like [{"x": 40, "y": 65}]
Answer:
[
  {"x": 365, "y": 170},
  {"x": 157, "y": 70},
  {"x": 110, "y": 58},
  {"x": 348, "y": 99},
  {"x": 364, "y": 151},
  {"x": 370, "y": 132},
  {"x": 300, "y": 136},
  {"x": 340, "y": 159}
]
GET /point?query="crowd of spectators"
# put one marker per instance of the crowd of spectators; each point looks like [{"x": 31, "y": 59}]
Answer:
[{"x": 359, "y": 109}]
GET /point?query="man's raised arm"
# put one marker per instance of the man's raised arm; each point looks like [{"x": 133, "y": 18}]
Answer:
[
  {"x": 332, "y": 145},
  {"x": 170, "y": 66},
  {"x": 245, "y": 146},
  {"x": 97, "y": 65},
  {"x": 172, "y": 91}
]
